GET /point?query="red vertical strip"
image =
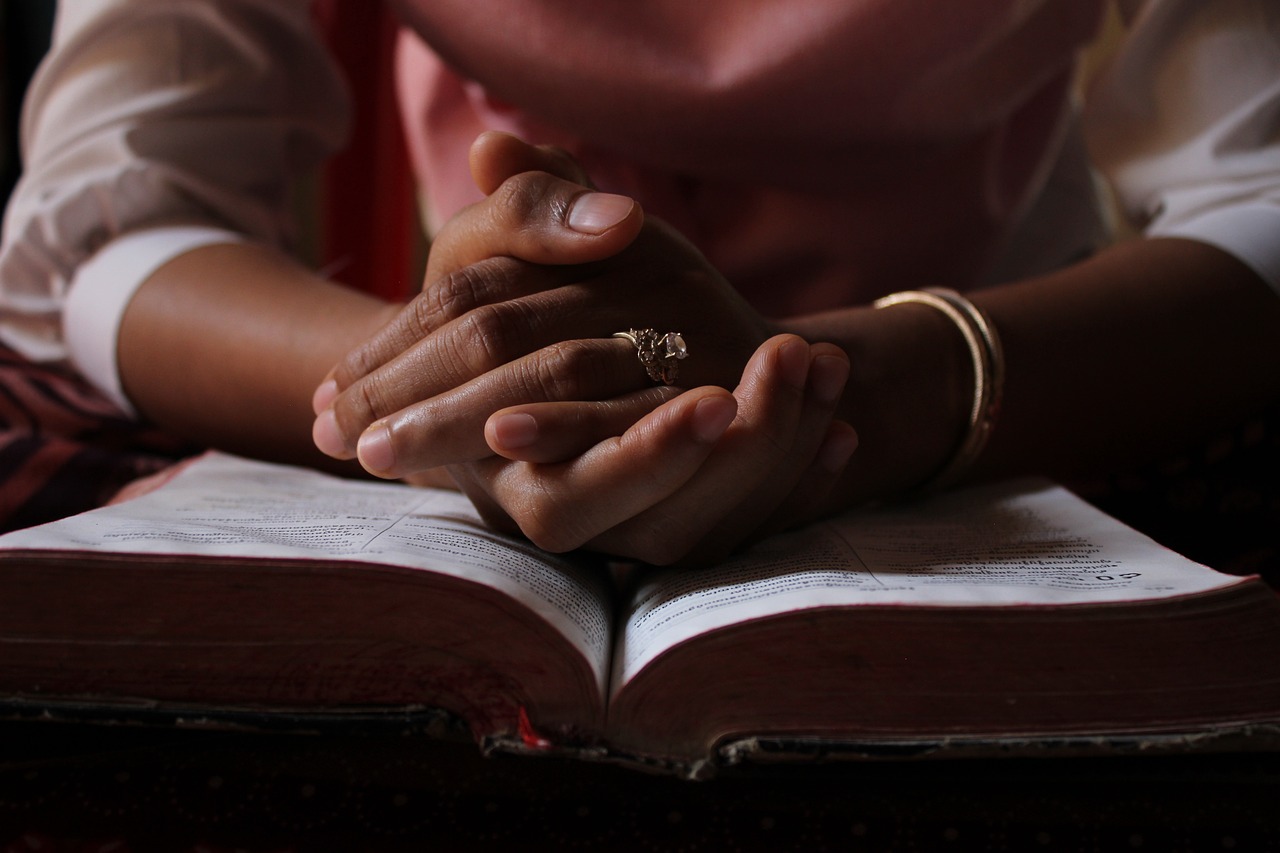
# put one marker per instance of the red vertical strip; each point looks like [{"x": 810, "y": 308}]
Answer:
[{"x": 368, "y": 221}]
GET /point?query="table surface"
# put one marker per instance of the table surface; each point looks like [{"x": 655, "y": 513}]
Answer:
[{"x": 79, "y": 787}]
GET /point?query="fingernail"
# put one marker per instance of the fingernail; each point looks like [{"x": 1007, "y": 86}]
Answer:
[
  {"x": 596, "y": 213},
  {"x": 794, "y": 361},
  {"x": 327, "y": 437},
  {"x": 828, "y": 375},
  {"x": 712, "y": 416},
  {"x": 514, "y": 430},
  {"x": 374, "y": 450},
  {"x": 324, "y": 395},
  {"x": 837, "y": 449}
]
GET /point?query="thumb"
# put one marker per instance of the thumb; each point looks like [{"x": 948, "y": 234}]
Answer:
[
  {"x": 539, "y": 218},
  {"x": 497, "y": 156}
]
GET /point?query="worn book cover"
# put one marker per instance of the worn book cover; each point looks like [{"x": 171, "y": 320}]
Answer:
[{"x": 999, "y": 618}]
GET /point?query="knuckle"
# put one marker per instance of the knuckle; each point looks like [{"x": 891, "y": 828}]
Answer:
[
  {"x": 461, "y": 291},
  {"x": 517, "y": 197},
  {"x": 370, "y": 401},
  {"x": 531, "y": 199},
  {"x": 491, "y": 335},
  {"x": 565, "y": 370},
  {"x": 437, "y": 304},
  {"x": 356, "y": 364},
  {"x": 550, "y": 522},
  {"x": 555, "y": 372}
]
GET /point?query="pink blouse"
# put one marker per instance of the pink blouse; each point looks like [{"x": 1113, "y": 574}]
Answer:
[{"x": 820, "y": 152}]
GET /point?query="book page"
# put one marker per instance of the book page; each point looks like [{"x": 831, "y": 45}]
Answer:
[
  {"x": 1027, "y": 543},
  {"x": 225, "y": 506}
]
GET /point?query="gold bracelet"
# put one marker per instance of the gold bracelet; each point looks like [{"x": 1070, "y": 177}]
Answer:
[{"x": 987, "y": 357}]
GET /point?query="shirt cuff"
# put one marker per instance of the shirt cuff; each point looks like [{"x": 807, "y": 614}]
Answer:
[
  {"x": 1251, "y": 232},
  {"x": 102, "y": 288}
]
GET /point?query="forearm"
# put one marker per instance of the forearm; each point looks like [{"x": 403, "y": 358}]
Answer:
[
  {"x": 225, "y": 345},
  {"x": 1131, "y": 357},
  {"x": 1120, "y": 360}
]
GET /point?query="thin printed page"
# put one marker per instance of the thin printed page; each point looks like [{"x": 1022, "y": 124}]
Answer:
[
  {"x": 222, "y": 505},
  {"x": 1024, "y": 543}
]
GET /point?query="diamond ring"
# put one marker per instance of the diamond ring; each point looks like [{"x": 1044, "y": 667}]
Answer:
[{"x": 660, "y": 354}]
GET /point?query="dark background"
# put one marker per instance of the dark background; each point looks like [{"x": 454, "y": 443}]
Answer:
[{"x": 24, "y": 36}]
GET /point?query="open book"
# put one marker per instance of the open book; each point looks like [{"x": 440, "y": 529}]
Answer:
[{"x": 986, "y": 618}]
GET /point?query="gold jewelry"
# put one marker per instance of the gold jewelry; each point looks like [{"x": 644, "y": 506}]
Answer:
[
  {"x": 987, "y": 356},
  {"x": 659, "y": 354}
]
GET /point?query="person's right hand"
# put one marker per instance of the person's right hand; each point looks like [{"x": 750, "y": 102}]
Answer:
[{"x": 692, "y": 480}]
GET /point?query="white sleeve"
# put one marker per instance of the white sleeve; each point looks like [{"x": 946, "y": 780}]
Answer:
[
  {"x": 102, "y": 288},
  {"x": 1185, "y": 123},
  {"x": 150, "y": 113}
]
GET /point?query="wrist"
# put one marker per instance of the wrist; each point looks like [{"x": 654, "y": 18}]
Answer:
[
  {"x": 909, "y": 395},
  {"x": 987, "y": 367}
]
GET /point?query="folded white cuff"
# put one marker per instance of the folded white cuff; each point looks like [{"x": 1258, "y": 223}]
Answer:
[{"x": 103, "y": 286}]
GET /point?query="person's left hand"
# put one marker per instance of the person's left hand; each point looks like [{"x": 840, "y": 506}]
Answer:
[
  {"x": 502, "y": 355},
  {"x": 526, "y": 277}
]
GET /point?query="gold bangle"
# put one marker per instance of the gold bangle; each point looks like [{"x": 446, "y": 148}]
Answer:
[{"x": 987, "y": 357}]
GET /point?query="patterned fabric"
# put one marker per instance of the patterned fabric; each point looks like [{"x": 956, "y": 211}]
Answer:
[{"x": 63, "y": 447}]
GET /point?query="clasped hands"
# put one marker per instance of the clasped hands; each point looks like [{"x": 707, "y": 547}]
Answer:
[{"x": 503, "y": 372}]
